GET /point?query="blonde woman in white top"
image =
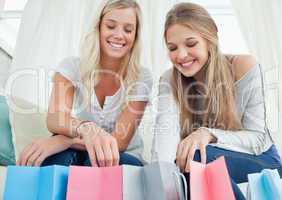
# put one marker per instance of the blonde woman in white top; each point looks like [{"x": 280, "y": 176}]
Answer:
[{"x": 98, "y": 99}]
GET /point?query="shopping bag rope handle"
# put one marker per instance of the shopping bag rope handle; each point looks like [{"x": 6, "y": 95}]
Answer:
[{"x": 177, "y": 174}]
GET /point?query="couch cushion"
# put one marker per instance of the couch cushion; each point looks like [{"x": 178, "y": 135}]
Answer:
[
  {"x": 7, "y": 154},
  {"x": 28, "y": 123},
  {"x": 2, "y": 181}
]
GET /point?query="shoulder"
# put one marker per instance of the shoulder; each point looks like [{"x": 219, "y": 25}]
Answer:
[
  {"x": 145, "y": 73},
  {"x": 166, "y": 76},
  {"x": 242, "y": 64},
  {"x": 69, "y": 62},
  {"x": 165, "y": 82},
  {"x": 145, "y": 76},
  {"x": 68, "y": 68}
]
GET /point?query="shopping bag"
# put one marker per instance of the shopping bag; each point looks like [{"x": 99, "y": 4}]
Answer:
[
  {"x": 265, "y": 185},
  {"x": 36, "y": 183},
  {"x": 133, "y": 183},
  {"x": 95, "y": 183},
  {"x": 156, "y": 181},
  {"x": 210, "y": 181}
]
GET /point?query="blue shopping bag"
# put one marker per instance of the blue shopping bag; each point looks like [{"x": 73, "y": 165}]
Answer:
[
  {"x": 265, "y": 185},
  {"x": 36, "y": 183}
]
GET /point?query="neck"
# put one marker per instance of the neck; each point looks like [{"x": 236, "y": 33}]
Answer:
[
  {"x": 200, "y": 76},
  {"x": 111, "y": 64}
]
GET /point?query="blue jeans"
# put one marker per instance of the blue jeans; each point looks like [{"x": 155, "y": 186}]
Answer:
[
  {"x": 239, "y": 165},
  {"x": 81, "y": 158}
]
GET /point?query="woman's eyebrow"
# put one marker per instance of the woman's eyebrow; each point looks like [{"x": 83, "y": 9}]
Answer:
[
  {"x": 126, "y": 23},
  {"x": 190, "y": 38}
]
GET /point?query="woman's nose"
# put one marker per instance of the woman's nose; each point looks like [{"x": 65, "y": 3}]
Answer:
[
  {"x": 118, "y": 34},
  {"x": 182, "y": 55}
]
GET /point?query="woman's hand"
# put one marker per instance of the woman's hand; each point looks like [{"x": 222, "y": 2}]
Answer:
[
  {"x": 101, "y": 146},
  {"x": 186, "y": 148},
  {"x": 35, "y": 153}
]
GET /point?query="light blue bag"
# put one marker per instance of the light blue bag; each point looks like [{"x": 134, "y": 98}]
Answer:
[
  {"x": 265, "y": 185},
  {"x": 36, "y": 183}
]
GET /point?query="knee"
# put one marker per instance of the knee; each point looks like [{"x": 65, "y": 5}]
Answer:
[
  {"x": 126, "y": 159},
  {"x": 87, "y": 163},
  {"x": 211, "y": 154},
  {"x": 65, "y": 158},
  {"x": 197, "y": 156}
]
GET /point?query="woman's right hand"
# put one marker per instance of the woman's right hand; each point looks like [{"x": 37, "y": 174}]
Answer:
[
  {"x": 36, "y": 152},
  {"x": 101, "y": 146}
]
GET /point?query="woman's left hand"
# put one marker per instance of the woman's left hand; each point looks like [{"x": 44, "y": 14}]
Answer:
[
  {"x": 187, "y": 147},
  {"x": 35, "y": 153}
]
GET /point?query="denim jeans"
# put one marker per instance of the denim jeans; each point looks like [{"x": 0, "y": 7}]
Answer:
[
  {"x": 239, "y": 165},
  {"x": 81, "y": 158}
]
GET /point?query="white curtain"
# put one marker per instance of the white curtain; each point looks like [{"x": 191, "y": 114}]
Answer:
[
  {"x": 53, "y": 30},
  {"x": 260, "y": 22},
  {"x": 49, "y": 31}
]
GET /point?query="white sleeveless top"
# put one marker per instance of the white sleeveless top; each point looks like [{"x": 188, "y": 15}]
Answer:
[{"x": 106, "y": 117}]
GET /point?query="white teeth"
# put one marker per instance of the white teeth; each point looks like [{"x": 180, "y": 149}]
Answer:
[{"x": 115, "y": 45}]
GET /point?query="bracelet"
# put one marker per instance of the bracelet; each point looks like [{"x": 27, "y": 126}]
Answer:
[{"x": 76, "y": 133}]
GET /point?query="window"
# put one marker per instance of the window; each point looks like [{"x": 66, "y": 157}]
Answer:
[
  {"x": 10, "y": 18},
  {"x": 230, "y": 36},
  {"x": 14, "y": 4}
]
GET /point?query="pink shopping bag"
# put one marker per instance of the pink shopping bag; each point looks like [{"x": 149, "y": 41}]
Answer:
[
  {"x": 211, "y": 181},
  {"x": 95, "y": 183}
]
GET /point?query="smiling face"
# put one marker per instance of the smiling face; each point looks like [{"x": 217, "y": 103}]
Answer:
[
  {"x": 188, "y": 51},
  {"x": 117, "y": 33}
]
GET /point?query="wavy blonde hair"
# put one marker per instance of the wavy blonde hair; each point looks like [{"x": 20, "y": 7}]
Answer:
[
  {"x": 90, "y": 52},
  {"x": 219, "y": 104}
]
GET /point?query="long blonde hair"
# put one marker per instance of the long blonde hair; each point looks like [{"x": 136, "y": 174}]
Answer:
[
  {"x": 220, "y": 107},
  {"x": 90, "y": 52}
]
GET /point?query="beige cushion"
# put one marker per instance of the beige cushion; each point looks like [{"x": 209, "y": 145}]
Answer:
[
  {"x": 28, "y": 123},
  {"x": 2, "y": 181}
]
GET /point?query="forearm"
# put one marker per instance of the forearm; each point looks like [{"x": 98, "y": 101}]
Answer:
[
  {"x": 124, "y": 132},
  {"x": 247, "y": 140},
  {"x": 66, "y": 126},
  {"x": 78, "y": 144},
  {"x": 122, "y": 142},
  {"x": 62, "y": 124},
  {"x": 84, "y": 130}
]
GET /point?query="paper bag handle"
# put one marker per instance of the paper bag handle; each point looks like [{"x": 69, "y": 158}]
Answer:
[{"x": 176, "y": 175}]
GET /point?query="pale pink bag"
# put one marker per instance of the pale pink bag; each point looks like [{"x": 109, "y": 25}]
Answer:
[
  {"x": 211, "y": 181},
  {"x": 93, "y": 183}
]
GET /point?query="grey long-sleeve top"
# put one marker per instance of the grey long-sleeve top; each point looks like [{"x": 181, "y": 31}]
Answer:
[{"x": 254, "y": 138}]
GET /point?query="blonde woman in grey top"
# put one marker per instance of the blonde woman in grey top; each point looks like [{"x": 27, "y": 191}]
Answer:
[
  {"x": 210, "y": 104},
  {"x": 98, "y": 99}
]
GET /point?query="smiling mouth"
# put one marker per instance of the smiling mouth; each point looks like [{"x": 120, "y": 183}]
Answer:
[
  {"x": 187, "y": 64},
  {"x": 116, "y": 45}
]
